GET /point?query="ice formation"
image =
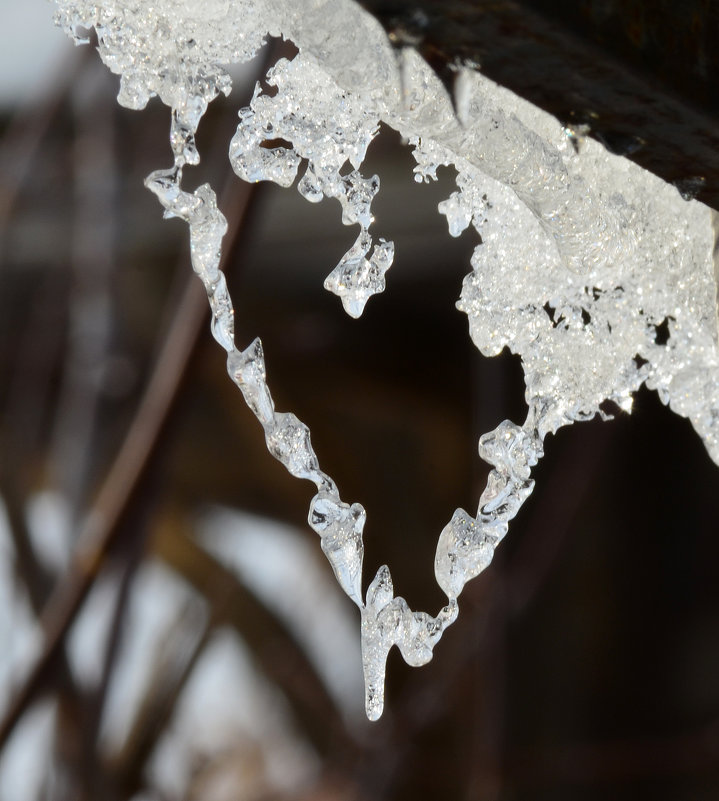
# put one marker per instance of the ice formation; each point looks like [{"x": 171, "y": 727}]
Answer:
[{"x": 584, "y": 256}]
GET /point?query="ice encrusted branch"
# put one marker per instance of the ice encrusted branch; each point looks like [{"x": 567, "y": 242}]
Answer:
[{"x": 583, "y": 256}]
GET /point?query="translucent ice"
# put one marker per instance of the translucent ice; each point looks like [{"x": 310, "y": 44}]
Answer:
[
  {"x": 340, "y": 527},
  {"x": 584, "y": 257},
  {"x": 355, "y": 279},
  {"x": 388, "y": 621},
  {"x": 464, "y": 550},
  {"x": 247, "y": 369},
  {"x": 325, "y": 128}
]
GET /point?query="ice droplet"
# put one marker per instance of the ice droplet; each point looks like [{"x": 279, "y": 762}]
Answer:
[
  {"x": 355, "y": 279},
  {"x": 457, "y": 212}
]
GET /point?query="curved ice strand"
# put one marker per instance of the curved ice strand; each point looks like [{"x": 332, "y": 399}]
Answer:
[
  {"x": 388, "y": 621},
  {"x": 465, "y": 548},
  {"x": 466, "y": 544},
  {"x": 339, "y": 524}
]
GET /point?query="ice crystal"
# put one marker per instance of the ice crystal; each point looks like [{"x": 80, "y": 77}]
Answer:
[
  {"x": 340, "y": 527},
  {"x": 315, "y": 115},
  {"x": 584, "y": 257},
  {"x": 355, "y": 279}
]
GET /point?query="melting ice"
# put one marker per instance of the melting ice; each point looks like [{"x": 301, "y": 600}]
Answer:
[{"x": 583, "y": 255}]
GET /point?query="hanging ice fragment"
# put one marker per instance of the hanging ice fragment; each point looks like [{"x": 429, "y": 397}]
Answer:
[
  {"x": 310, "y": 185},
  {"x": 288, "y": 440},
  {"x": 465, "y": 548},
  {"x": 457, "y": 212},
  {"x": 388, "y": 621},
  {"x": 584, "y": 257},
  {"x": 247, "y": 369},
  {"x": 340, "y": 528},
  {"x": 356, "y": 198},
  {"x": 355, "y": 279},
  {"x": 376, "y": 641},
  {"x": 327, "y": 129}
]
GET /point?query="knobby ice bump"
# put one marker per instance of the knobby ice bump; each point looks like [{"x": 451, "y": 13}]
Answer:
[{"x": 583, "y": 255}]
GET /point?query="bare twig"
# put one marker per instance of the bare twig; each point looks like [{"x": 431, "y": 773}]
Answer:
[
  {"x": 25, "y": 134},
  {"x": 93, "y": 264},
  {"x": 234, "y": 605},
  {"x": 178, "y": 655},
  {"x": 93, "y": 776}
]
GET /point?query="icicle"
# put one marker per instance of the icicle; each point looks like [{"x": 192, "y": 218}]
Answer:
[{"x": 583, "y": 256}]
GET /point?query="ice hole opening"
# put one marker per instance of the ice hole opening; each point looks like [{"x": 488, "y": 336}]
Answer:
[
  {"x": 551, "y": 313},
  {"x": 662, "y": 332},
  {"x": 275, "y": 49},
  {"x": 346, "y": 169},
  {"x": 610, "y": 409},
  {"x": 271, "y": 144}
]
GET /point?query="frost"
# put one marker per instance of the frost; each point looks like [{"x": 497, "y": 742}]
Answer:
[{"x": 597, "y": 274}]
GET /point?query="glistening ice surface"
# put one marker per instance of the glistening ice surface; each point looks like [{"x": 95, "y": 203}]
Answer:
[{"x": 584, "y": 257}]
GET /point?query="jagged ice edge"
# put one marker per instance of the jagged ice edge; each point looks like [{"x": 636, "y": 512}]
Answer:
[{"x": 466, "y": 544}]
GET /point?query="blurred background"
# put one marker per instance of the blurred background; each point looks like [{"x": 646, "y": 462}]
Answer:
[{"x": 169, "y": 628}]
